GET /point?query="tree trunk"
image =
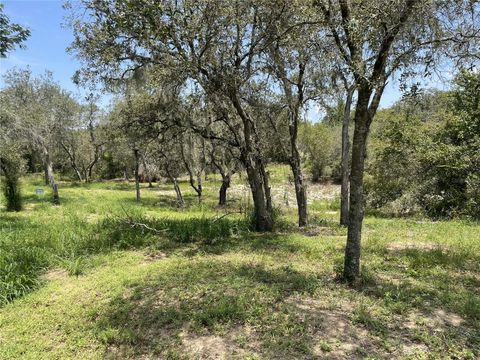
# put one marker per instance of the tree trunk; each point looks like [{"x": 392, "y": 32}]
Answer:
[
  {"x": 300, "y": 192},
  {"x": 79, "y": 175},
  {"x": 73, "y": 163},
  {"x": 180, "y": 200},
  {"x": 199, "y": 188},
  {"x": 345, "y": 160},
  {"x": 356, "y": 207},
  {"x": 262, "y": 205},
  {"x": 137, "y": 177},
  {"x": 295, "y": 164},
  {"x": 47, "y": 162},
  {"x": 257, "y": 176},
  {"x": 90, "y": 170},
  {"x": 56, "y": 197},
  {"x": 125, "y": 174},
  {"x": 295, "y": 103},
  {"x": 49, "y": 178},
  {"x": 222, "y": 201}
]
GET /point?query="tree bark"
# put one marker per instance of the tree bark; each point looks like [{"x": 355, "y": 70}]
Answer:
[
  {"x": 263, "y": 220},
  {"x": 345, "y": 160},
  {"x": 88, "y": 178},
  {"x": 222, "y": 201},
  {"x": 300, "y": 191},
  {"x": 257, "y": 176},
  {"x": 199, "y": 188},
  {"x": 137, "y": 178},
  {"x": 295, "y": 103},
  {"x": 356, "y": 207},
  {"x": 79, "y": 175},
  {"x": 56, "y": 197},
  {"x": 97, "y": 147},
  {"x": 47, "y": 162}
]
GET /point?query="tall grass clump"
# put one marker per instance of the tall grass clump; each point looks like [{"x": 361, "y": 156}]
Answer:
[
  {"x": 137, "y": 231},
  {"x": 20, "y": 267}
]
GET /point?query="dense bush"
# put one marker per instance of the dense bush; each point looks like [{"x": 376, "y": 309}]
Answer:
[
  {"x": 11, "y": 168},
  {"x": 426, "y": 158},
  {"x": 320, "y": 144}
]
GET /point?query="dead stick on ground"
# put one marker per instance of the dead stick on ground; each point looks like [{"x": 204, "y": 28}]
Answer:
[
  {"x": 133, "y": 223},
  {"x": 226, "y": 214}
]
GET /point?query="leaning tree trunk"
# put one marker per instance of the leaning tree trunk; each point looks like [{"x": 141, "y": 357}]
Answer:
[
  {"x": 345, "y": 160},
  {"x": 257, "y": 176},
  {"x": 356, "y": 211},
  {"x": 199, "y": 188},
  {"x": 88, "y": 178},
  {"x": 79, "y": 175},
  {"x": 222, "y": 200},
  {"x": 73, "y": 163},
  {"x": 137, "y": 177}
]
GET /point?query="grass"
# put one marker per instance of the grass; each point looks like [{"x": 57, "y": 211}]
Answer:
[{"x": 84, "y": 280}]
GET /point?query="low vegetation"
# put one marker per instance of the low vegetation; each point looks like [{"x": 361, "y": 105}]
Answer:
[
  {"x": 246, "y": 192},
  {"x": 102, "y": 276}
]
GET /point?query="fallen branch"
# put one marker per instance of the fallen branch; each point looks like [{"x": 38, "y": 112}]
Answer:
[
  {"x": 129, "y": 221},
  {"x": 225, "y": 215}
]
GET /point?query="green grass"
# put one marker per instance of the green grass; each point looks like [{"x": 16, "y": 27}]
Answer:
[{"x": 84, "y": 280}]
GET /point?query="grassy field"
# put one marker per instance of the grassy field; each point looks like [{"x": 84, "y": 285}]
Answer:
[{"x": 86, "y": 280}]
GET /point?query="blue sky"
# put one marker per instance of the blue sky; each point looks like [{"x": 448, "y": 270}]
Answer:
[{"x": 46, "y": 47}]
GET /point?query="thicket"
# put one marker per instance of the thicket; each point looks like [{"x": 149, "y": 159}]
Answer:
[{"x": 426, "y": 154}]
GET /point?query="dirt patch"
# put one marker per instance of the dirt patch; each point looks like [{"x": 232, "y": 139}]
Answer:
[
  {"x": 437, "y": 321},
  {"x": 219, "y": 347},
  {"x": 206, "y": 347},
  {"x": 155, "y": 256},
  {"x": 448, "y": 318},
  {"x": 54, "y": 274},
  {"x": 336, "y": 337},
  {"x": 412, "y": 349}
]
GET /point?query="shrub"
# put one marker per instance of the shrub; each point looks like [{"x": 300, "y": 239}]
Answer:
[
  {"x": 320, "y": 149},
  {"x": 11, "y": 169},
  {"x": 426, "y": 156}
]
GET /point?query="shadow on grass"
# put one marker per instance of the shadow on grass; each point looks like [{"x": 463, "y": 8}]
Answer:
[
  {"x": 11, "y": 222},
  {"x": 206, "y": 308},
  {"x": 439, "y": 284}
]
